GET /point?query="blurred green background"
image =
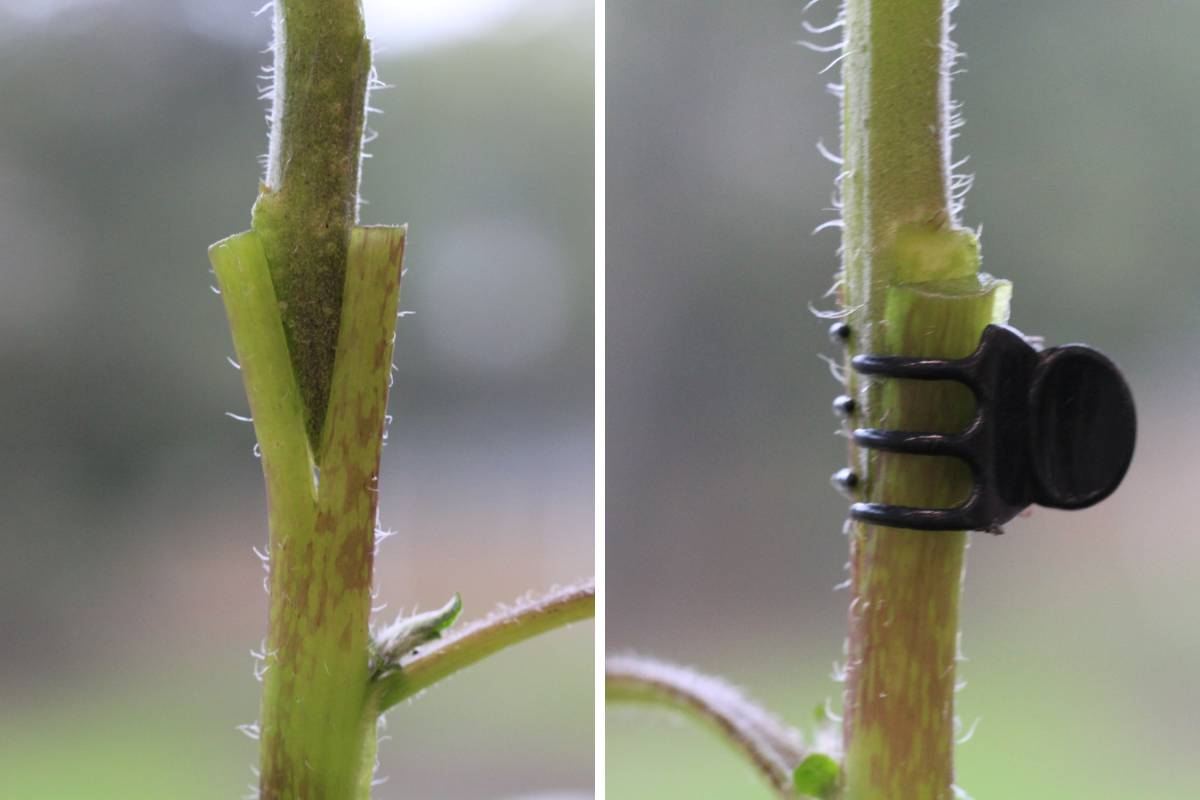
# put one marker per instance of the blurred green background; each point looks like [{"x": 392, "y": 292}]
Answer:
[
  {"x": 129, "y": 596},
  {"x": 723, "y": 548}
]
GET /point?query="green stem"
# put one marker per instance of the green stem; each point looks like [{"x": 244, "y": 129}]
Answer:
[
  {"x": 309, "y": 200},
  {"x": 468, "y": 645},
  {"x": 318, "y": 718},
  {"x": 311, "y": 300},
  {"x": 770, "y": 746},
  {"x": 911, "y": 286}
]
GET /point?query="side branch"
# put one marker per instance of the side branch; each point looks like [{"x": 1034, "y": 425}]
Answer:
[
  {"x": 459, "y": 649},
  {"x": 772, "y": 747}
]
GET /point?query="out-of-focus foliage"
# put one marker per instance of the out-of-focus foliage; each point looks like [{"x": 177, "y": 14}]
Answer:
[
  {"x": 129, "y": 596},
  {"x": 1081, "y": 629}
]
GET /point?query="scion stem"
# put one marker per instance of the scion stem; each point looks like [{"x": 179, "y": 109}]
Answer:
[{"x": 309, "y": 200}]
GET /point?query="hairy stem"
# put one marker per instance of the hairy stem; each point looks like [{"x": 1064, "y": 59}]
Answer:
[
  {"x": 317, "y": 718},
  {"x": 462, "y": 647},
  {"x": 771, "y": 747},
  {"x": 311, "y": 299},
  {"x": 309, "y": 200},
  {"x": 910, "y": 285}
]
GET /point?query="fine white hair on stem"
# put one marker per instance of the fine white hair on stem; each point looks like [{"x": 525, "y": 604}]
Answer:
[
  {"x": 251, "y": 730},
  {"x": 835, "y": 200},
  {"x": 833, "y": 63},
  {"x": 817, "y": 30},
  {"x": 828, "y": 154},
  {"x": 836, "y": 369},
  {"x": 253, "y": 793},
  {"x": 263, "y": 558},
  {"x": 966, "y": 737},
  {"x": 951, "y": 56},
  {"x": 961, "y": 184},
  {"x": 822, "y": 48},
  {"x": 959, "y": 792},
  {"x": 833, "y": 313},
  {"x": 833, "y": 223},
  {"x": 271, "y": 176},
  {"x": 382, "y": 535},
  {"x": 830, "y": 714},
  {"x": 374, "y": 84}
]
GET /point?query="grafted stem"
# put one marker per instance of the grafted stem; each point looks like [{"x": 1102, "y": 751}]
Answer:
[
  {"x": 316, "y": 719},
  {"x": 910, "y": 285},
  {"x": 311, "y": 299}
]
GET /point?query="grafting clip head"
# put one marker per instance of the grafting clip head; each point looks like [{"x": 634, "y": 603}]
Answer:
[{"x": 1054, "y": 427}]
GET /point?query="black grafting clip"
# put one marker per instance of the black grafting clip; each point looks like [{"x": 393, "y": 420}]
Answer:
[{"x": 1054, "y": 427}]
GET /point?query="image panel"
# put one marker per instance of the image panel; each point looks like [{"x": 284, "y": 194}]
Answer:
[
  {"x": 728, "y": 551},
  {"x": 133, "y": 617}
]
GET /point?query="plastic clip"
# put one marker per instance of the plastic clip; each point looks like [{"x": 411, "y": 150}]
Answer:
[{"x": 1054, "y": 427}]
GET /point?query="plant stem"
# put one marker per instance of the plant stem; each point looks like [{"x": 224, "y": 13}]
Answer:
[
  {"x": 309, "y": 200},
  {"x": 468, "y": 645},
  {"x": 771, "y": 747},
  {"x": 311, "y": 299},
  {"x": 317, "y": 718},
  {"x": 910, "y": 286}
]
